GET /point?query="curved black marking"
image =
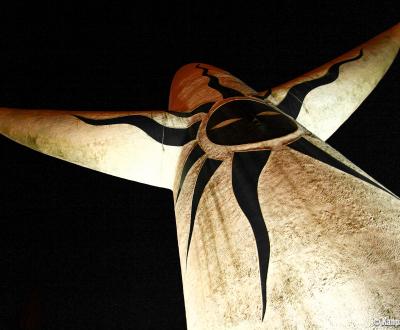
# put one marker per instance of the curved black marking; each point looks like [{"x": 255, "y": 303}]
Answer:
[
  {"x": 250, "y": 125},
  {"x": 204, "y": 108},
  {"x": 194, "y": 155},
  {"x": 206, "y": 172},
  {"x": 246, "y": 170},
  {"x": 294, "y": 98},
  {"x": 264, "y": 94},
  {"x": 162, "y": 134},
  {"x": 214, "y": 83},
  {"x": 309, "y": 149}
]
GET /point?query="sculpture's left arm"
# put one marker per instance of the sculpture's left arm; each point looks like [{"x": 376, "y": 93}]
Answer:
[
  {"x": 142, "y": 146},
  {"x": 324, "y": 98}
]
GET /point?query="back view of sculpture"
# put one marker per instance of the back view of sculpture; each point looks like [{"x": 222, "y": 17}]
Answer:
[{"x": 274, "y": 226}]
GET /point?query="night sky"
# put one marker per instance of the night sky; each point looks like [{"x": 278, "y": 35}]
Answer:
[{"x": 84, "y": 250}]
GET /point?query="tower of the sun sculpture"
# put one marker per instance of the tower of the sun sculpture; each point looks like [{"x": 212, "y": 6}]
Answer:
[{"x": 274, "y": 226}]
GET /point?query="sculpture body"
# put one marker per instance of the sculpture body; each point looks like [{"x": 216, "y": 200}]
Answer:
[{"x": 275, "y": 228}]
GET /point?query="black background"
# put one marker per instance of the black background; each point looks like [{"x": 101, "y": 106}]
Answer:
[{"x": 83, "y": 250}]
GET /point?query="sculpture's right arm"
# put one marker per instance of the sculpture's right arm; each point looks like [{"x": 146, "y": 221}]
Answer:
[
  {"x": 323, "y": 99},
  {"x": 91, "y": 139}
]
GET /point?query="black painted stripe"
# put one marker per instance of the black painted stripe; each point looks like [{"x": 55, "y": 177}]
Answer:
[
  {"x": 206, "y": 172},
  {"x": 309, "y": 149},
  {"x": 204, "y": 108},
  {"x": 194, "y": 155},
  {"x": 214, "y": 83},
  {"x": 294, "y": 98},
  {"x": 162, "y": 134},
  {"x": 246, "y": 170},
  {"x": 263, "y": 95}
]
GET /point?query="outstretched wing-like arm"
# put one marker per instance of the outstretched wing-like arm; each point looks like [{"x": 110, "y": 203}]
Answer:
[
  {"x": 142, "y": 146},
  {"x": 323, "y": 99}
]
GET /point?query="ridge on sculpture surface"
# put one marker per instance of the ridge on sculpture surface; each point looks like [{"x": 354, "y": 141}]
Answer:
[{"x": 262, "y": 203}]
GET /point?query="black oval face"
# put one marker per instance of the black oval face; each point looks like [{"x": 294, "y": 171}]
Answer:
[{"x": 247, "y": 121}]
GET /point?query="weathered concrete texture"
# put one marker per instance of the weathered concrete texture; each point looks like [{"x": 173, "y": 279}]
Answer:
[
  {"x": 121, "y": 150},
  {"x": 334, "y": 249},
  {"x": 327, "y": 107},
  {"x": 334, "y": 257},
  {"x": 334, "y": 245}
]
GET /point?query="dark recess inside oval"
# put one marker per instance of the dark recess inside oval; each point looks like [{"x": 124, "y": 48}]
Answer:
[{"x": 247, "y": 121}]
